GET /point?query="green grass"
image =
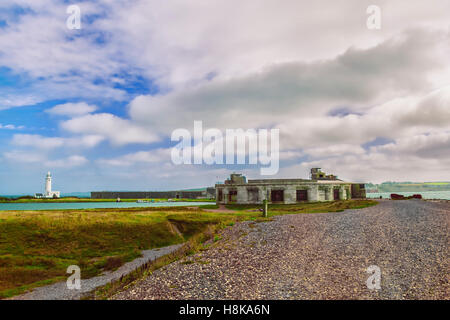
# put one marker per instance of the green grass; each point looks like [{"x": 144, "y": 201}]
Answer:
[
  {"x": 307, "y": 207},
  {"x": 437, "y": 183},
  {"x": 36, "y": 247}
]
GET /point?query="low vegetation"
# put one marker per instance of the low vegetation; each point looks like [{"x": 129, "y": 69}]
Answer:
[
  {"x": 36, "y": 247},
  {"x": 307, "y": 207}
]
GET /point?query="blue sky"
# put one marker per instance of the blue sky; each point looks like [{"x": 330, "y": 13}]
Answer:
[{"x": 97, "y": 106}]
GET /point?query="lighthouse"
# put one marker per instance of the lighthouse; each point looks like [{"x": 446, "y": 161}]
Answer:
[
  {"x": 48, "y": 184},
  {"x": 48, "y": 189}
]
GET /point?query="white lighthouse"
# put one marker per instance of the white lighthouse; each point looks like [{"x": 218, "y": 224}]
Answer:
[
  {"x": 48, "y": 189},
  {"x": 48, "y": 184}
]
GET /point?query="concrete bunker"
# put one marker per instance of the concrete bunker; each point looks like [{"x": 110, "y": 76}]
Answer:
[{"x": 321, "y": 187}]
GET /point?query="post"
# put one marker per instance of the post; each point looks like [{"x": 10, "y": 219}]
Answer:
[{"x": 266, "y": 205}]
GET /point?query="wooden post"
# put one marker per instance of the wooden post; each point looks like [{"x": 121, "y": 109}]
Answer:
[{"x": 266, "y": 205}]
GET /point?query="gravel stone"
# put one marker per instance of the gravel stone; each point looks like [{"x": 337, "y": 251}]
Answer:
[{"x": 317, "y": 256}]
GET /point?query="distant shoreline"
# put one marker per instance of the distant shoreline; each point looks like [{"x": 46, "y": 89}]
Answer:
[
  {"x": 427, "y": 195},
  {"x": 73, "y": 199}
]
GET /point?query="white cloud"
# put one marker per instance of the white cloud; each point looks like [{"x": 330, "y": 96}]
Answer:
[
  {"x": 119, "y": 131},
  {"x": 60, "y": 63},
  {"x": 141, "y": 157},
  {"x": 428, "y": 146},
  {"x": 416, "y": 158},
  {"x": 182, "y": 42},
  {"x": 37, "y": 141},
  {"x": 397, "y": 118},
  {"x": 311, "y": 69},
  {"x": 15, "y": 99},
  {"x": 334, "y": 150},
  {"x": 42, "y": 160},
  {"x": 299, "y": 91},
  {"x": 40, "y": 142},
  {"x": 11, "y": 127},
  {"x": 178, "y": 44},
  {"x": 72, "y": 109},
  {"x": 69, "y": 162},
  {"x": 23, "y": 156}
]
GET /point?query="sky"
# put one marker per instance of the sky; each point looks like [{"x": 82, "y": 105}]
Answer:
[{"x": 96, "y": 106}]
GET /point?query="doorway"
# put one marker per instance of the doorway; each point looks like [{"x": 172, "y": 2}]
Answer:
[
  {"x": 232, "y": 196},
  {"x": 277, "y": 196},
  {"x": 302, "y": 195},
  {"x": 336, "y": 194}
]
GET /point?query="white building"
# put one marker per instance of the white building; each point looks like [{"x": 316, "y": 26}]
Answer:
[{"x": 48, "y": 189}]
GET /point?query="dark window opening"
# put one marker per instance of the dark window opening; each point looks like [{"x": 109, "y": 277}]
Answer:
[
  {"x": 232, "y": 196},
  {"x": 277, "y": 196},
  {"x": 220, "y": 196},
  {"x": 336, "y": 194},
  {"x": 302, "y": 195}
]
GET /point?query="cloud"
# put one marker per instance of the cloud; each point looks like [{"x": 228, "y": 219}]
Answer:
[
  {"x": 40, "y": 142},
  {"x": 37, "y": 141},
  {"x": 141, "y": 157},
  {"x": 23, "y": 156},
  {"x": 429, "y": 146},
  {"x": 183, "y": 43},
  {"x": 431, "y": 110},
  {"x": 334, "y": 150},
  {"x": 380, "y": 167},
  {"x": 72, "y": 109},
  {"x": 11, "y": 127},
  {"x": 177, "y": 44},
  {"x": 299, "y": 90},
  {"x": 311, "y": 69},
  {"x": 42, "y": 160},
  {"x": 69, "y": 162},
  {"x": 403, "y": 106},
  {"x": 58, "y": 63},
  {"x": 396, "y": 118},
  {"x": 423, "y": 157},
  {"x": 14, "y": 99},
  {"x": 119, "y": 131}
]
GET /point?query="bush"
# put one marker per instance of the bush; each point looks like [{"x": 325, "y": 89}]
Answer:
[{"x": 24, "y": 197}]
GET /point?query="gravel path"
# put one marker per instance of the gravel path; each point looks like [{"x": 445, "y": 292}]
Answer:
[
  {"x": 59, "y": 291},
  {"x": 318, "y": 256}
]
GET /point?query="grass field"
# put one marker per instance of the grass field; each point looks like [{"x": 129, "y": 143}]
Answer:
[
  {"x": 307, "y": 207},
  {"x": 36, "y": 247},
  {"x": 437, "y": 183}
]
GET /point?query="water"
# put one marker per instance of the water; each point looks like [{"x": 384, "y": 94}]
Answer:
[
  {"x": 71, "y": 194},
  {"x": 425, "y": 194},
  {"x": 93, "y": 205}
]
